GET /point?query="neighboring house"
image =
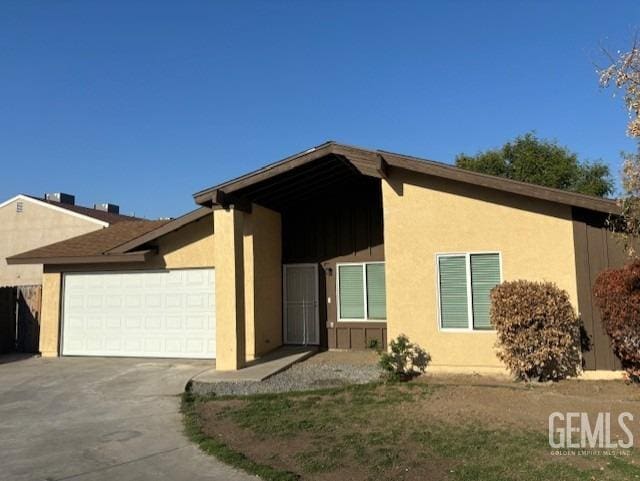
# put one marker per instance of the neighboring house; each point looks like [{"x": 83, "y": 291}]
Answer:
[
  {"x": 28, "y": 222},
  {"x": 337, "y": 246}
]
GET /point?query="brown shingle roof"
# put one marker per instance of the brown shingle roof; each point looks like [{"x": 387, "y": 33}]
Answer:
[
  {"x": 88, "y": 211},
  {"x": 94, "y": 243}
]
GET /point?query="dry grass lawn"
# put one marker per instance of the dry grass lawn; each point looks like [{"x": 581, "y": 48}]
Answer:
[{"x": 440, "y": 428}]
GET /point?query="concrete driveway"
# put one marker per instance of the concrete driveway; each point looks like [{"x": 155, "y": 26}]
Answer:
[{"x": 99, "y": 419}]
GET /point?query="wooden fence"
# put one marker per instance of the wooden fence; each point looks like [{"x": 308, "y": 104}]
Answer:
[{"x": 20, "y": 318}]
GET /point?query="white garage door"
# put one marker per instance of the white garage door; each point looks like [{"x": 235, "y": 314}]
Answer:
[{"x": 140, "y": 314}]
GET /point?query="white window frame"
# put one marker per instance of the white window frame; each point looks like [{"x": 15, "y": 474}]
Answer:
[
  {"x": 364, "y": 289},
  {"x": 467, "y": 256}
]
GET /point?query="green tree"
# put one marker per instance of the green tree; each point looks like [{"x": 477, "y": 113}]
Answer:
[{"x": 538, "y": 161}]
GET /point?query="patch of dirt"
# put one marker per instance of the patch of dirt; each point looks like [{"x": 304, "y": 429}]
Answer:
[
  {"x": 276, "y": 452},
  {"x": 356, "y": 358},
  {"x": 504, "y": 404}
]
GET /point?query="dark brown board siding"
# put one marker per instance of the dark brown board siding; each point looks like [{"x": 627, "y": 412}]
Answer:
[
  {"x": 343, "y": 226},
  {"x": 596, "y": 249},
  {"x": 357, "y": 336}
]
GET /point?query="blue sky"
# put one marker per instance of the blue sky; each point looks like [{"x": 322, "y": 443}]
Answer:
[{"x": 144, "y": 103}]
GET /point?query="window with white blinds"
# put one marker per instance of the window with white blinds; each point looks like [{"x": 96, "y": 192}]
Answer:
[
  {"x": 464, "y": 287},
  {"x": 361, "y": 292}
]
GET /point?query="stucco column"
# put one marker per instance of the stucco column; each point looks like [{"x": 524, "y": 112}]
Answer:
[
  {"x": 262, "y": 281},
  {"x": 50, "y": 314},
  {"x": 230, "y": 307}
]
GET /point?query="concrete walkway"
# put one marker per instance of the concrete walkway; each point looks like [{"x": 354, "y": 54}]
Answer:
[
  {"x": 99, "y": 419},
  {"x": 260, "y": 369}
]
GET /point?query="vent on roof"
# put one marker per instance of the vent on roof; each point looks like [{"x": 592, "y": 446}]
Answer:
[
  {"x": 61, "y": 197},
  {"x": 106, "y": 207},
  {"x": 19, "y": 206}
]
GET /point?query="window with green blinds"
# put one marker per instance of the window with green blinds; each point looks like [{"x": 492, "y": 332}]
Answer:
[
  {"x": 485, "y": 275},
  {"x": 361, "y": 292},
  {"x": 351, "y": 291},
  {"x": 461, "y": 276},
  {"x": 376, "y": 295},
  {"x": 454, "y": 308}
]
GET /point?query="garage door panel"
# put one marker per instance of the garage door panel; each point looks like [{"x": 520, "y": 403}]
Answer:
[
  {"x": 152, "y": 313},
  {"x": 113, "y": 323},
  {"x": 133, "y": 345},
  {"x": 176, "y": 280},
  {"x": 94, "y": 281},
  {"x": 133, "y": 301},
  {"x": 112, "y": 301},
  {"x": 114, "y": 345},
  {"x": 153, "y": 300},
  {"x": 151, "y": 282},
  {"x": 173, "y": 301},
  {"x": 94, "y": 323},
  {"x": 174, "y": 322}
]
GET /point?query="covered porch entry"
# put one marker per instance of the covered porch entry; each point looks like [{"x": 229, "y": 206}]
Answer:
[{"x": 331, "y": 283}]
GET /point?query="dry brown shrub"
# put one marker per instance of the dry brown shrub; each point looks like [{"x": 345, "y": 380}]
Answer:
[{"x": 538, "y": 330}]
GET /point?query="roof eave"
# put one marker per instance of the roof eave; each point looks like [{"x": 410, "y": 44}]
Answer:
[
  {"x": 375, "y": 163},
  {"x": 607, "y": 206},
  {"x": 131, "y": 257}
]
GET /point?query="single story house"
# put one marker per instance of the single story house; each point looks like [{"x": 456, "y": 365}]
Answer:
[{"x": 337, "y": 246}]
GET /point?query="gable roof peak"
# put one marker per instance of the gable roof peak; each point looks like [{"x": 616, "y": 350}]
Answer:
[
  {"x": 375, "y": 162},
  {"x": 101, "y": 217}
]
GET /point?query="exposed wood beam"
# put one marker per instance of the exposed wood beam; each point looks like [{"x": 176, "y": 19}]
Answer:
[
  {"x": 382, "y": 167},
  {"x": 303, "y": 188},
  {"x": 226, "y": 200},
  {"x": 322, "y": 168},
  {"x": 364, "y": 163},
  {"x": 268, "y": 172},
  {"x": 321, "y": 192}
]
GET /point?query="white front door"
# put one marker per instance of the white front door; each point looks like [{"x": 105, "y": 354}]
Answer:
[
  {"x": 301, "y": 325},
  {"x": 140, "y": 314}
]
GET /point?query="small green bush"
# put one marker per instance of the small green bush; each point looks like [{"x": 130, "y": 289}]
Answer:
[
  {"x": 404, "y": 360},
  {"x": 538, "y": 330}
]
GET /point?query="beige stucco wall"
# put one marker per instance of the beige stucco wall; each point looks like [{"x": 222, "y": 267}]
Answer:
[
  {"x": 248, "y": 285},
  {"x": 424, "y": 216},
  {"x": 263, "y": 281},
  {"x": 230, "y": 318},
  {"x": 36, "y": 226},
  {"x": 50, "y": 313},
  {"x": 192, "y": 246}
]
